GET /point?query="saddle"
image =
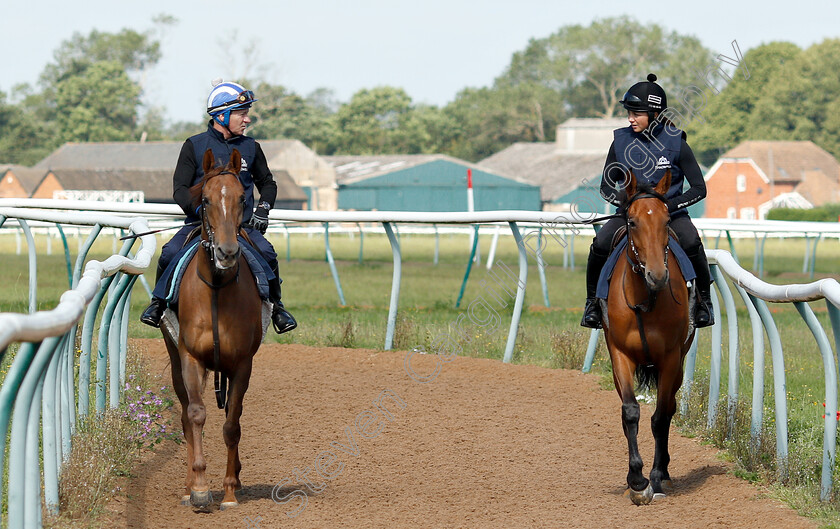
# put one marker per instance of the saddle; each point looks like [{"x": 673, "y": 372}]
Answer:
[
  {"x": 175, "y": 273},
  {"x": 619, "y": 243}
]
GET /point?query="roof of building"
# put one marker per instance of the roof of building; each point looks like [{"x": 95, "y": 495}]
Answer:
[
  {"x": 140, "y": 166},
  {"x": 786, "y": 161},
  {"x": 541, "y": 164},
  {"x": 133, "y": 154},
  {"x": 156, "y": 184},
  {"x": 28, "y": 177},
  {"x": 593, "y": 123},
  {"x": 351, "y": 169},
  {"x": 109, "y": 155},
  {"x": 818, "y": 188},
  {"x": 287, "y": 189}
]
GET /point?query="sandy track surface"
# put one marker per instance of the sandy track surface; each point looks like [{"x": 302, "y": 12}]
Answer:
[{"x": 484, "y": 444}]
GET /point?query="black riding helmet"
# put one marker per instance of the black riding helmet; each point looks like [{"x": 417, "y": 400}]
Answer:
[{"x": 646, "y": 96}]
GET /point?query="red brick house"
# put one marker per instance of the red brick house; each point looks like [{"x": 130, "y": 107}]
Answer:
[
  {"x": 750, "y": 179},
  {"x": 17, "y": 181}
]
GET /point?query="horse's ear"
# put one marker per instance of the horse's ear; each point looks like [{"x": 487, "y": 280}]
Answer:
[
  {"x": 208, "y": 162},
  {"x": 235, "y": 164},
  {"x": 664, "y": 184},
  {"x": 631, "y": 184}
]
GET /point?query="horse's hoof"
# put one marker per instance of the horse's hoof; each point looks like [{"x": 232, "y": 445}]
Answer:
[
  {"x": 185, "y": 500},
  {"x": 641, "y": 497},
  {"x": 658, "y": 495},
  {"x": 228, "y": 505},
  {"x": 201, "y": 499}
]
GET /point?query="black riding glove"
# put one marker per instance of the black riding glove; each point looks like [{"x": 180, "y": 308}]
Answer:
[{"x": 259, "y": 221}]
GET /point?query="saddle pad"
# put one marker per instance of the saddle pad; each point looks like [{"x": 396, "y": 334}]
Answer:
[
  {"x": 258, "y": 265},
  {"x": 170, "y": 325},
  {"x": 673, "y": 247}
]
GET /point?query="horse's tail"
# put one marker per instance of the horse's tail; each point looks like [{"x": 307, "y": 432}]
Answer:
[{"x": 647, "y": 376}]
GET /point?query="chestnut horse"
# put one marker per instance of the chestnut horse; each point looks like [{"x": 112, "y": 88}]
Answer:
[
  {"x": 219, "y": 315},
  {"x": 647, "y": 329}
]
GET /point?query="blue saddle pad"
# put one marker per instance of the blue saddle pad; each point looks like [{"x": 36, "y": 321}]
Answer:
[
  {"x": 174, "y": 273},
  {"x": 606, "y": 272}
]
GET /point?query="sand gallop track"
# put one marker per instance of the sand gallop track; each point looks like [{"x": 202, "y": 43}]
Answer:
[{"x": 483, "y": 445}]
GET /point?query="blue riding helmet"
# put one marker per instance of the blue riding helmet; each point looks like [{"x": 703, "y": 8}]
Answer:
[{"x": 226, "y": 97}]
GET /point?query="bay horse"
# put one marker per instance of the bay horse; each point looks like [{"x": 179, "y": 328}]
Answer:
[
  {"x": 646, "y": 329},
  {"x": 217, "y": 326}
]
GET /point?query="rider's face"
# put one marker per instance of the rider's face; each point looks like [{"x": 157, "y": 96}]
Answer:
[
  {"x": 239, "y": 121},
  {"x": 638, "y": 120}
]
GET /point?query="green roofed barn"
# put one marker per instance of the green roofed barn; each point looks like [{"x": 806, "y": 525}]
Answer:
[{"x": 421, "y": 182}]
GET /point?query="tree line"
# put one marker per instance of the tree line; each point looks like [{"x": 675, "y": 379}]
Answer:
[{"x": 91, "y": 91}]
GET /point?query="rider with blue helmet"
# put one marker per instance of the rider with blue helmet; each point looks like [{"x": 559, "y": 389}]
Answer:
[{"x": 228, "y": 105}]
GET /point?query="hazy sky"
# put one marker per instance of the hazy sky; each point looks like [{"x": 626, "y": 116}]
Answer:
[{"x": 431, "y": 48}]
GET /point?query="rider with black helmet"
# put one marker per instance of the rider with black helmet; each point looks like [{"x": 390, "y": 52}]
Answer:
[{"x": 650, "y": 146}]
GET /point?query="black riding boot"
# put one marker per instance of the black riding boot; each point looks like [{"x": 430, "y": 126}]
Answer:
[
  {"x": 154, "y": 312},
  {"x": 592, "y": 311},
  {"x": 280, "y": 317},
  {"x": 704, "y": 315}
]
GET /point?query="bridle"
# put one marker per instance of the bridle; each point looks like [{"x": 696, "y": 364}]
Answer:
[
  {"x": 636, "y": 265},
  {"x": 209, "y": 243},
  {"x": 215, "y": 284},
  {"x": 639, "y": 269}
]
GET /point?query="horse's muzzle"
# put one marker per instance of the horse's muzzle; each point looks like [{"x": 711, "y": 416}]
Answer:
[
  {"x": 226, "y": 255},
  {"x": 656, "y": 283}
]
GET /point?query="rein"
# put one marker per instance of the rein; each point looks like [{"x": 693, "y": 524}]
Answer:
[{"x": 219, "y": 380}]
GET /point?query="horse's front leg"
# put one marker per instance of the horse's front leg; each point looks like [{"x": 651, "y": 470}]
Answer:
[
  {"x": 623, "y": 373},
  {"x": 183, "y": 399},
  {"x": 193, "y": 374},
  {"x": 670, "y": 380},
  {"x": 232, "y": 432}
]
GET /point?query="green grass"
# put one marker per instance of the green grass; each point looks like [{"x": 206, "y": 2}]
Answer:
[{"x": 549, "y": 337}]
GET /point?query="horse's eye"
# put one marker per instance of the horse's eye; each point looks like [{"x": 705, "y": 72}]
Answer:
[
  {"x": 205, "y": 201},
  {"x": 242, "y": 200},
  {"x": 631, "y": 223}
]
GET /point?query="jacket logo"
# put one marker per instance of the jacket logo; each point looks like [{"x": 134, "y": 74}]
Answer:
[
  {"x": 663, "y": 163},
  {"x": 244, "y": 165}
]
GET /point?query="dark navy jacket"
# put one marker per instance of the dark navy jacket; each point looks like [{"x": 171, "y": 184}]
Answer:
[
  {"x": 254, "y": 171},
  {"x": 649, "y": 155}
]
